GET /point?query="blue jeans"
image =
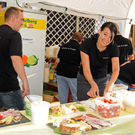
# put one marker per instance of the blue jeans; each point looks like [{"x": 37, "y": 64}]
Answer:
[
  {"x": 12, "y": 100},
  {"x": 118, "y": 81},
  {"x": 64, "y": 83}
]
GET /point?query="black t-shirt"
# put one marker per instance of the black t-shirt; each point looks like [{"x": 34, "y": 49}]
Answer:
[
  {"x": 10, "y": 44},
  {"x": 125, "y": 48},
  {"x": 127, "y": 73},
  {"x": 69, "y": 55},
  {"x": 98, "y": 60}
]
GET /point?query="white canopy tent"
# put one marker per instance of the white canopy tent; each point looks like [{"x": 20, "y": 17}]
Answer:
[{"x": 112, "y": 10}]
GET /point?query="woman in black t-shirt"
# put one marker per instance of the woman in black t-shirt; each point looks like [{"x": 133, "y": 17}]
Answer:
[
  {"x": 95, "y": 52},
  {"x": 67, "y": 64}
]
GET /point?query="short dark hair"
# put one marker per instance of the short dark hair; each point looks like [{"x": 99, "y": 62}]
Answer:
[
  {"x": 12, "y": 11},
  {"x": 77, "y": 36}
]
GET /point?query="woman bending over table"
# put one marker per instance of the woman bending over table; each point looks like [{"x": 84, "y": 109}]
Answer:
[{"x": 92, "y": 80}]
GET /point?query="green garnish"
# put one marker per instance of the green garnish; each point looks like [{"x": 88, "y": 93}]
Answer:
[
  {"x": 50, "y": 111},
  {"x": 81, "y": 108},
  {"x": 57, "y": 114}
]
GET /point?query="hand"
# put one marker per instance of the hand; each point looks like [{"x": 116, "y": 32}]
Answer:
[
  {"x": 25, "y": 90},
  {"x": 107, "y": 89},
  {"x": 94, "y": 91},
  {"x": 53, "y": 67}
]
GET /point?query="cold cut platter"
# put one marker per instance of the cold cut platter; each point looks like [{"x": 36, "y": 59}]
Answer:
[
  {"x": 81, "y": 124},
  {"x": 12, "y": 117}
]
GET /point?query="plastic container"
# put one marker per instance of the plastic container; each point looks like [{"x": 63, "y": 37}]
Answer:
[
  {"x": 54, "y": 78},
  {"x": 51, "y": 72},
  {"x": 107, "y": 110},
  {"x": 40, "y": 110},
  {"x": 28, "y": 103},
  {"x": 52, "y": 51},
  {"x": 46, "y": 72},
  {"x": 128, "y": 100},
  {"x": 119, "y": 87},
  {"x": 55, "y": 51},
  {"x": 49, "y": 51},
  {"x": 51, "y": 75}
]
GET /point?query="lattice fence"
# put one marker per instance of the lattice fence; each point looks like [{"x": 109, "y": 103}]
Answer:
[
  {"x": 60, "y": 27},
  {"x": 98, "y": 24},
  {"x": 86, "y": 26}
]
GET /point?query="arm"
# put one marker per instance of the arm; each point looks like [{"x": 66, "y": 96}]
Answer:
[
  {"x": 87, "y": 73},
  {"x": 115, "y": 73},
  {"x": 56, "y": 63},
  {"x": 124, "y": 63},
  {"x": 131, "y": 57},
  {"x": 19, "y": 68},
  {"x": 131, "y": 52}
]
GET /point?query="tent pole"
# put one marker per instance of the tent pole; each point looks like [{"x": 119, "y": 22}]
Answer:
[{"x": 77, "y": 23}]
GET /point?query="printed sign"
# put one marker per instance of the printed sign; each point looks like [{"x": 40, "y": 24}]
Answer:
[
  {"x": 34, "y": 23},
  {"x": 28, "y": 22}
]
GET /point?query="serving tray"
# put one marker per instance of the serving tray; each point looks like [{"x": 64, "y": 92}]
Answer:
[
  {"x": 56, "y": 129},
  {"x": 23, "y": 120}
]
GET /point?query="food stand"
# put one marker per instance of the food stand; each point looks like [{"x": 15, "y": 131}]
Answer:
[{"x": 123, "y": 124}]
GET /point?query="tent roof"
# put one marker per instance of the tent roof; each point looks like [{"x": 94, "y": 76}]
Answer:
[{"x": 110, "y": 9}]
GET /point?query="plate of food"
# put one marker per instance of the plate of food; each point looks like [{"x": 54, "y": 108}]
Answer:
[
  {"x": 79, "y": 124},
  {"x": 63, "y": 110},
  {"x": 12, "y": 117}
]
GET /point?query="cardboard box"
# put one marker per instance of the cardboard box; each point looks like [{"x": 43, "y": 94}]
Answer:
[
  {"x": 50, "y": 96},
  {"x": 132, "y": 89}
]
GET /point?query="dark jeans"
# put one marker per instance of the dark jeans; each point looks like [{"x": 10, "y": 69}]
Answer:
[
  {"x": 83, "y": 86},
  {"x": 12, "y": 100}
]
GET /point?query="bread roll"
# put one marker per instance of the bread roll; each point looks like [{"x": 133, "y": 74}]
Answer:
[
  {"x": 55, "y": 106},
  {"x": 69, "y": 127}
]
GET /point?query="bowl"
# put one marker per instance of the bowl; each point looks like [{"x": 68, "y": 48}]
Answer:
[{"x": 107, "y": 110}]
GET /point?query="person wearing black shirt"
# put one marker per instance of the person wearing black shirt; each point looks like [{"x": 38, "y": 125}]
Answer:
[
  {"x": 11, "y": 64},
  {"x": 92, "y": 80},
  {"x": 125, "y": 49},
  {"x": 67, "y": 64},
  {"x": 127, "y": 73}
]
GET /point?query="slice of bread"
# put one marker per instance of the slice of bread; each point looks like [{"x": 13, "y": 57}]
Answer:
[
  {"x": 55, "y": 104},
  {"x": 84, "y": 126},
  {"x": 69, "y": 127}
]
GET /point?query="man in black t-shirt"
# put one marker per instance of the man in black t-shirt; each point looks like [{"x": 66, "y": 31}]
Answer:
[{"x": 11, "y": 64}]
